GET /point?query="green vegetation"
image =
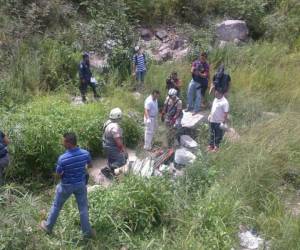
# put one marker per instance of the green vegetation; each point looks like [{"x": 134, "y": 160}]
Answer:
[{"x": 246, "y": 183}]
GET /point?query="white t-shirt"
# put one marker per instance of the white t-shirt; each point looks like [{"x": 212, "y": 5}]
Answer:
[
  {"x": 218, "y": 110},
  {"x": 151, "y": 106}
]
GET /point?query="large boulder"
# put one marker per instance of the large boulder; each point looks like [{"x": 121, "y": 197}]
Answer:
[
  {"x": 146, "y": 34},
  {"x": 232, "y": 30},
  {"x": 161, "y": 34}
]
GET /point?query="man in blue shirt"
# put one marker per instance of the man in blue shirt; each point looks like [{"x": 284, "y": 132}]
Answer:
[
  {"x": 85, "y": 76},
  {"x": 71, "y": 167}
]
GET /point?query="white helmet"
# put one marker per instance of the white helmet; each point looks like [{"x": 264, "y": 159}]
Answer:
[
  {"x": 172, "y": 92},
  {"x": 137, "y": 48},
  {"x": 115, "y": 114}
]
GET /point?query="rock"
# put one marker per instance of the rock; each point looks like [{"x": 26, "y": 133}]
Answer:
[
  {"x": 77, "y": 100},
  {"x": 223, "y": 44},
  {"x": 146, "y": 34},
  {"x": 161, "y": 34},
  {"x": 184, "y": 157},
  {"x": 177, "y": 43},
  {"x": 188, "y": 142},
  {"x": 180, "y": 54},
  {"x": 166, "y": 54},
  {"x": 230, "y": 30},
  {"x": 110, "y": 44}
]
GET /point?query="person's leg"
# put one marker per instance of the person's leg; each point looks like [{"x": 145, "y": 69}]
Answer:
[
  {"x": 190, "y": 95},
  {"x": 4, "y": 161},
  {"x": 212, "y": 135},
  {"x": 143, "y": 74},
  {"x": 197, "y": 100},
  {"x": 83, "y": 90},
  {"x": 61, "y": 195},
  {"x": 219, "y": 135},
  {"x": 204, "y": 87},
  {"x": 93, "y": 86},
  {"x": 82, "y": 202},
  {"x": 149, "y": 133}
]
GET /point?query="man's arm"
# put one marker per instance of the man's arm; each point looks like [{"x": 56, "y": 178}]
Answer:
[
  {"x": 120, "y": 144},
  {"x": 59, "y": 169},
  {"x": 5, "y": 140}
]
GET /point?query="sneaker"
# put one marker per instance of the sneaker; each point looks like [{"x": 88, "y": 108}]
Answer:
[
  {"x": 210, "y": 148},
  {"x": 107, "y": 172},
  {"x": 43, "y": 226},
  {"x": 216, "y": 149}
]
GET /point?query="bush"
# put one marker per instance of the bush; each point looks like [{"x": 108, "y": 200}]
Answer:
[
  {"x": 134, "y": 205},
  {"x": 36, "y": 130}
]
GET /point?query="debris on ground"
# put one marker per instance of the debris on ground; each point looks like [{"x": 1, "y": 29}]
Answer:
[
  {"x": 189, "y": 120},
  {"x": 184, "y": 157},
  {"x": 188, "y": 142},
  {"x": 250, "y": 240}
]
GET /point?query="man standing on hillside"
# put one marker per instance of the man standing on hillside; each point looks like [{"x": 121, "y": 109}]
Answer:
[
  {"x": 150, "y": 118},
  {"x": 221, "y": 80},
  {"x": 173, "y": 82},
  {"x": 4, "y": 157},
  {"x": 172, "y": 115},
  {"x": 199, "y": 83},
  {"x": 217, "y": 119},
  {"x": 139, "y": 66},
  {"x": 85, "y": 76},
  {"x": 71, "y": 167},
  {"x": 113, "y": 143}
]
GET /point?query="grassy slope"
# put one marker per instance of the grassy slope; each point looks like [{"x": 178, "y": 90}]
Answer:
[{"x": 240, "y": 185}]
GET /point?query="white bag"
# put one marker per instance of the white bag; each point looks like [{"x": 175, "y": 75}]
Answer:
[
  {"x": 184, "y": 157},
  {"x": 188, "y": 142}
]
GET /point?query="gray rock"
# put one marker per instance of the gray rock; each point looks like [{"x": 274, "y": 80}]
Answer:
[
  {"x": 146, "y": 34},
  {"x": 161, "y": 34},
  {"x": 177, "y": 43},
  {"x": 230, "y": 30},
  {"x": 166, "y": 54}
]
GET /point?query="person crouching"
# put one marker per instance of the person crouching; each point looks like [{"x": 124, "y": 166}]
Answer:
[
  {"x": 113, "y": 143},
  {"x": 172, "y": 115},
  {"x": 218, "y": 116}
]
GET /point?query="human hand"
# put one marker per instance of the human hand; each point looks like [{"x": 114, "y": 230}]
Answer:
[{"x": 209, "y": 117}]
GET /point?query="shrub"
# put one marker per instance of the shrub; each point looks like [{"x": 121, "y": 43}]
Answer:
[{"x": 37, "y": 128}]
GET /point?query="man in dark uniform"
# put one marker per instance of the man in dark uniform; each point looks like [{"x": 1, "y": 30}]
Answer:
[{"x": 85, "y": 75}]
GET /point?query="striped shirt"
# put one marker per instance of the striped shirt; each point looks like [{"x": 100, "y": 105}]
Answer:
[
  {"x": 139, "y": 61},
  {"x": 72, "y": 165}
]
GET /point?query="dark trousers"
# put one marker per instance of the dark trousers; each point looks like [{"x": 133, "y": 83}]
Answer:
[
  {"x": 216, "y": 134},
  {"x": 83, "y": 88}
]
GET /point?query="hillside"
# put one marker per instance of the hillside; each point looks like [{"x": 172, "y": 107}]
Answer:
[{"x": 252, "y": 182}]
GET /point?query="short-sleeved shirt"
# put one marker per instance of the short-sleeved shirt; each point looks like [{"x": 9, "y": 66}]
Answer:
[
  {"x": 72, "y": 165},
  {"x": 85, "y": 71},
  {"x": 218, "y": 110},
  {"x": 3, "y": 147},
  {"x": 202, "y": 67},
  {"x": 139, "y": 60},
  {"x": 152, "y": 106}
]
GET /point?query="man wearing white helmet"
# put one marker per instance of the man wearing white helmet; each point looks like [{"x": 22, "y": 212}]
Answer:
[
  {"x": 172, "y": 115},
  {"x": 139, "y": 66},
  {"x": 113, "y": 143},
  {"x": 150, "y": 118}
]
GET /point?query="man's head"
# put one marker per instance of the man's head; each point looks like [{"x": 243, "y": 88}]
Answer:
[
  {"x": 155, "y": 94},
  {"x": 203, "y": 56},
  {"x": 219, "y": 93},
  {"x": 174, "y": 75},
  {"x": 115, "y": 114},
  {"x": 69, "y": 140},
  {"x": 86, "y": 57},
  {"x": 172, "y": 93}
]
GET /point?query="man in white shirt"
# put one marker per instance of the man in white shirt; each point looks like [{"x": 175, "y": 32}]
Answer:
[
  {"x": 218, "y": 115},
  {"x": 150, "y": 118}
]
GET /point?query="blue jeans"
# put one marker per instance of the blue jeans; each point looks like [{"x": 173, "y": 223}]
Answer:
[
  {"x": 140, "y": 75},
  {"x": 63, "y": 192},
  {"x": 194, "y": 96}
]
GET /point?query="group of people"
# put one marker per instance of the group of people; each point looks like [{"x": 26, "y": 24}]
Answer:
[
  {"x": 73, "y": 163},
  {"x": 172, "y": 111}
]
